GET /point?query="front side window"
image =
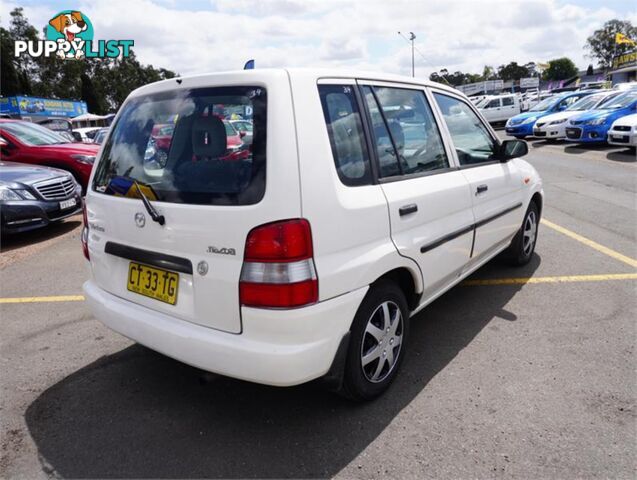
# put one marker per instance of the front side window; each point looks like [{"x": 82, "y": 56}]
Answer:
[
  {"x": 345, "y": 130},
  {"x": 407, "y": 137},
  {"x": 181, "y": 146},
  {"x": 472, "y": 141}
]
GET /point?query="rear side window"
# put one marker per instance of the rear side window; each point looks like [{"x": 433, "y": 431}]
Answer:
[
  {"x": 181, "y": 147},
  {"x": 507, "y": 101},
  {"x": 345, "y": 130}
]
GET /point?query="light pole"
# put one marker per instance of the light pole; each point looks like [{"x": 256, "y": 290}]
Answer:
[{"x": 411, "y": 38}]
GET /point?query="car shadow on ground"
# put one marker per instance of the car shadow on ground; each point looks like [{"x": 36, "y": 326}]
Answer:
[
  {"x": 24, "y": 239},
  {"x": 623, "y": 156},
  {"x": 580, "y": 148},
  {"x": 139, "y": 414}
]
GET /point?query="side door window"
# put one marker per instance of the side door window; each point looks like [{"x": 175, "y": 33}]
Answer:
[
  {"x": 345, "y": 130},
  {"x": 472, "y": 141},
  {"x": 495, "y": 103},
  {"x": 567, "y": 102},
  {"x": 507, "y": 102},
  {"x": 406, "y": 135}
]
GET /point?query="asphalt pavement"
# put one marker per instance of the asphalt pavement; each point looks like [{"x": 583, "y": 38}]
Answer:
[{"x": 518, "y": 373}]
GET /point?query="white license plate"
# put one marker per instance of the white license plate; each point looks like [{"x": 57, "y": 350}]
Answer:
[
  {"x": 619, "y": 138},
  {"x": 71, "y": 202}
]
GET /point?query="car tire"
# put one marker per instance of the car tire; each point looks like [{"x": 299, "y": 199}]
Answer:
[
  {"x": 523, "y": 244},
  {"x": 378, "y": 340}
]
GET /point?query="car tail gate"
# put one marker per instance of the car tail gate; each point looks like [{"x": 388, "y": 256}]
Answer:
[{"x": 174, "y": 200}]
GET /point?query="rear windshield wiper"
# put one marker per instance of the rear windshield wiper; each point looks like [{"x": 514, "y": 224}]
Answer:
[{"x": 154, "y": 214}]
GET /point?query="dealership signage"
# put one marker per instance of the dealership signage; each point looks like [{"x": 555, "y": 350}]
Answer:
[
  {"x": 47, "y": 107},
  {"x": 625, "y": 60},
  {"x": 69, "y": 35},
  {"x": 529, "y": 82},
  {"x": 488, "y": 86}
]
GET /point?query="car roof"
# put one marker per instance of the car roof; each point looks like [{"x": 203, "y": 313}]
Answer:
[{"x": 244, "y": 76}]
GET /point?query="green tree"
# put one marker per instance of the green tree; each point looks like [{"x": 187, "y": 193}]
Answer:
[
  {"x": 488, "y": 73},
  {"x": 102, "y": 83},
  {"x": 601, "y": 44},
  {"x": 560, "y": 69},
  {"x": 10, "y": 81},
  {"x": 512, "y": 71}
]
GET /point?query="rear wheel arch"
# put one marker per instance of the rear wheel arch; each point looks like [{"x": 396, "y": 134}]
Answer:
[{"x": 405, "y": 280}]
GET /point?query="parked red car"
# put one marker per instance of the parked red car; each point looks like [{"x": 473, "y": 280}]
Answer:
[{"x": 27, "y": 142}]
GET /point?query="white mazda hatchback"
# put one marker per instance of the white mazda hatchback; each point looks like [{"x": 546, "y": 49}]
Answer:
[{"x": 303, "y": 253}]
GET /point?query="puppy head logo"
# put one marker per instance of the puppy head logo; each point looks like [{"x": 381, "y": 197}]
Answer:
[{"x": 69, "y": 24}]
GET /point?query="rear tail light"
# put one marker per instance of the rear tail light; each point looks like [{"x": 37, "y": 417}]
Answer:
[
  {"x": 278, "y": 267},
  {"x": 84, "y": 235}
]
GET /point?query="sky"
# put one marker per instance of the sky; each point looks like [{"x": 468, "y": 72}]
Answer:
[{"x": 197, "y": 36}]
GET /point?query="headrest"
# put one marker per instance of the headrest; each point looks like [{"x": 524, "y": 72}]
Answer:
[{"x": 208, "y": 137}]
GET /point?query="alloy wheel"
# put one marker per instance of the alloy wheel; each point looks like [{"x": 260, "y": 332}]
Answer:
[
  {"x": 382, "y": 342},
  {"x": 529, "y": 233}
]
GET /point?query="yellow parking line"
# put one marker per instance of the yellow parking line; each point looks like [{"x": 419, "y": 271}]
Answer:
[
  {"x": 557, "y": 279},
  {"x": 600, "y": 248},
  {"x": 466, "y": 283},
  {"x": 58, "y": 298}
]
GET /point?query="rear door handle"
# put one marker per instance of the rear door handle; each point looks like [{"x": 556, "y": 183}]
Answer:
[
  {"x": 407, "y": 209},
  {"x": 481, "y": 189}
]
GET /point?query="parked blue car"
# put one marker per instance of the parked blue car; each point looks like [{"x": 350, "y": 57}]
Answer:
[
  {"x": 521, "y": 125},
  {"x": 593, "y": 126}
]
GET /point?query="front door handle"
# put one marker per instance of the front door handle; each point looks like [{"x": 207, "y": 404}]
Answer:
[
  {"x": 407, "y": 209},
  {"x": 481, "y": 189}
]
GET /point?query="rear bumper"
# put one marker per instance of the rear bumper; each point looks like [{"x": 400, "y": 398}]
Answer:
[{"x": 277, "y": 347}]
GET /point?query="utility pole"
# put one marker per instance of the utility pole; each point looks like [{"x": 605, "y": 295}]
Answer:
[{"x": 411, "y": 39}]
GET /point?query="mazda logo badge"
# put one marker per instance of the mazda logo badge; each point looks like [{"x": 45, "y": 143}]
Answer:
[{"x": 140, "y": 219}]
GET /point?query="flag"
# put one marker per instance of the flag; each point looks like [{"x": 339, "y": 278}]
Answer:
[{"x": 621, "y": 38}]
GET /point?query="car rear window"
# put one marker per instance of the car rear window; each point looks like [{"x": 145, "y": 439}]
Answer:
[{"x": 181, "y": 147}]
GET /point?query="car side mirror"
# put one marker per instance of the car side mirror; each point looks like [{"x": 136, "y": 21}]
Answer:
[
  {"x": 242, "y": 133},
  {"x": 513, "y": 149}
]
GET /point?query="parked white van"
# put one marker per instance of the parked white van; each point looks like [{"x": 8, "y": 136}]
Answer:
[
  {"x": 499, "y": 109},
  {"x": 360, "y": 199}
]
